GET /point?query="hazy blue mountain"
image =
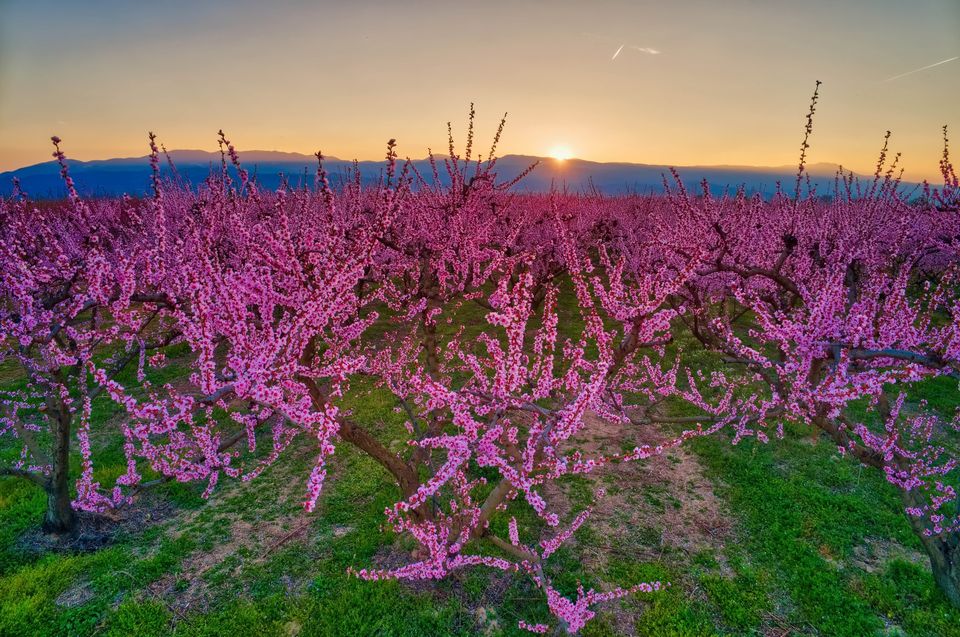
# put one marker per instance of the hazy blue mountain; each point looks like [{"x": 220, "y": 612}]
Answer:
[{"x": 131, "y": 175}]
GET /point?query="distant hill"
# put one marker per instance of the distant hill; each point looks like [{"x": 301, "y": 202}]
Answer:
[{"x": 131, "y": 175}]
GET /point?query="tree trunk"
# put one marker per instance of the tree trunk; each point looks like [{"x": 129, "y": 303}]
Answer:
[
  {"x": 943, "y": 551},
  {"x": 405, "y": 475},
  {"x": 60, "y": 517},
  {"x": 945, "y": 562},
  {"x": 430, "y": 345}
]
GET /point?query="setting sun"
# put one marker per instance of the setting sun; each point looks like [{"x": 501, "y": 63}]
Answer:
[{"x": 561, "y": 153}]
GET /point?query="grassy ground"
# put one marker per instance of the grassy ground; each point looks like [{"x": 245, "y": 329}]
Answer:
[{"x": 778, "y": 539}]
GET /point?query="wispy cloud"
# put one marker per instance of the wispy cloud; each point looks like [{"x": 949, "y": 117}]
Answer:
[
  {"x": 617, "y": 53},
  {"x": 923, "y": 68}
]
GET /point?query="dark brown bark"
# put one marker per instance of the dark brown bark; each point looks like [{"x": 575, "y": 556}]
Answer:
[
  {"x": 431, "y": 348},
  {"x": 362, "y": 439},
  {"x": 59, "y": 517},
  {"x": 494, "y": 499},
  {"x": 405, "y": 475}
]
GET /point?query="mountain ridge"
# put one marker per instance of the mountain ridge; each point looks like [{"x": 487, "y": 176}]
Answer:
[
  {"x": 278, "y": 156},
  {"x": 131, "y": 175}
]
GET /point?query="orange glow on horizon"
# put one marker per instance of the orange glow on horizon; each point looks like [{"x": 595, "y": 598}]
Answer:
[{"x": 561, "y": 153}]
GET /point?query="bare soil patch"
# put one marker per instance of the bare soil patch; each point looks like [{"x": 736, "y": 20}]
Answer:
[
  {"x": 251, "y": 542},
  {"x": 251, "y": 538},
  {"x": 662, "y": 503},
  {"x": 876, "y": 553},
  {"x": 660, "y": 508}
]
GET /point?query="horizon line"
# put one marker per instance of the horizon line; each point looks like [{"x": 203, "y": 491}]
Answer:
[{"x": 334, "y": 158}]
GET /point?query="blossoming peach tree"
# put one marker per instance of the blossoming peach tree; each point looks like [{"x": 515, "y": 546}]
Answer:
[
  {"x": 840, "y": 305},
  {"x": 80, "y": 296}
]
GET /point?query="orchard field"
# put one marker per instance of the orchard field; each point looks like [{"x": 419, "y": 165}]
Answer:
[
  {"x": 792, "y": 541},
  {"x": 434, "y": 405}
]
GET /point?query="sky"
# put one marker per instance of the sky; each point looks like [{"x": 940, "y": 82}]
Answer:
[{"x": 680, "y": 82}]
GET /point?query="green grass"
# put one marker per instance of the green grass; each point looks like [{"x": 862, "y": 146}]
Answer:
[{"x": 804, "y": 511}]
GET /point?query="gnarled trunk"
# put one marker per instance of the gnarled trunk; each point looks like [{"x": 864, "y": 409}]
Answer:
[
  {"x": 944, "y": 557},
  {"x": 943, "y": 551}
]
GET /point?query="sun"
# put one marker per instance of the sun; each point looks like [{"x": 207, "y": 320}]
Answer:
[{"x": 561, "y": 152}]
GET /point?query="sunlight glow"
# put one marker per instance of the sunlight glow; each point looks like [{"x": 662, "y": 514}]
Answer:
[{"x": 561, "y": 153}]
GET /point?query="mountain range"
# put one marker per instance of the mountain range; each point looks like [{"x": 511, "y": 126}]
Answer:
[{"x": 109, "y": 177}]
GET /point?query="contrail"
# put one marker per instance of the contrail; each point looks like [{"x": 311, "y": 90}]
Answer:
[
  {"x": 929, "y": 66},
  {"x": 642, "y": 49}
]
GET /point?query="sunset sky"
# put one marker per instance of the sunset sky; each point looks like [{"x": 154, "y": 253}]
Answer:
[{"x": 679, "y": 82}]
